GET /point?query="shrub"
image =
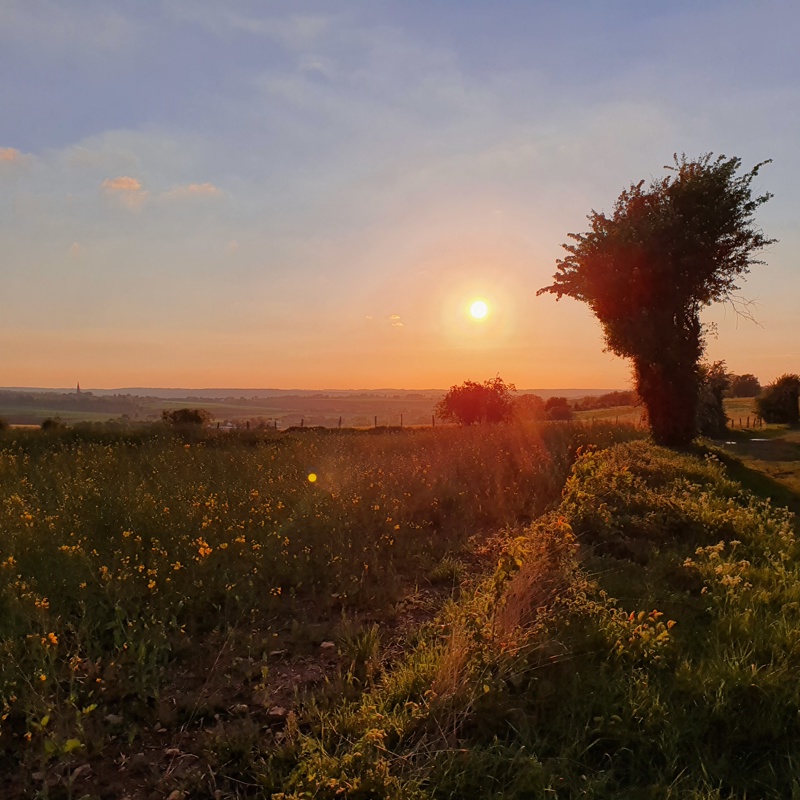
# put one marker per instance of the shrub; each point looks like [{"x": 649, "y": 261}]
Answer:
[
  {"x": 52, "y": 424},
  {"x": 558, "y": 408},
  {"x": 528, "y": 407},
  {"x": 186, "y": 417},
  {"x": 711, "y": 418},
  {"x": 779, "y": 403}
]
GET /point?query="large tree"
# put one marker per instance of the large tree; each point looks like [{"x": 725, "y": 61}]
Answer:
[{"x": 648, "y": 269}]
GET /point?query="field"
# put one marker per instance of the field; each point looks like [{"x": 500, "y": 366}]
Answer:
[
  {"x": 562, "y": 610},
  {"x": 354, "y": 409}
]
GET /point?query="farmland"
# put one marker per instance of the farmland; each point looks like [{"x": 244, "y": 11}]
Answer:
[{"x": 557, "y": 610}]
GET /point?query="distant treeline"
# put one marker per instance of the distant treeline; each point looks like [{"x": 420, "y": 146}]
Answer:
[
  {"x": 85, "y": 401},
  {"x": 610, "y": 400}
]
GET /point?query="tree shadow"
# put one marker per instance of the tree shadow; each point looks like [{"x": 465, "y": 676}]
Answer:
[{"x": 759, "y": 482}]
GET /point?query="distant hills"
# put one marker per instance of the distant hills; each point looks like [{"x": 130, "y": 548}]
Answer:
[{"x": 238, "y": 393}]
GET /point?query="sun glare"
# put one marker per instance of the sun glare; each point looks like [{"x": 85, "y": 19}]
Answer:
[{"x": 479, "y": 309}]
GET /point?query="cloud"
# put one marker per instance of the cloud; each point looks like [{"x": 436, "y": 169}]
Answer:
[
  {"x": 122, "y": 184},
  {"x": 395, "y": 316},
  {"x": 192, "y": 190},
  {"x": 294, "y": 32},
  {"x": 11, "y": 158},
  {"x": 126, "y": 190},
  {"x": 66, "y": 28},
  {"x": 397, "y": 325}
]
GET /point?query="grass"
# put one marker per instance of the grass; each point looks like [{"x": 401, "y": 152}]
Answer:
[
  {"x": 540, "y": 684},
  {"x": 124, "y": 554},
  {"x": 512, "y": 612}
]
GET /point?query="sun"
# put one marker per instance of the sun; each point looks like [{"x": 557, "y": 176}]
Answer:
[{"x": 479, "y": 309}]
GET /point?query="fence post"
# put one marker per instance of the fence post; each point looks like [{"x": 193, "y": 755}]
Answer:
[
  {"x": 302, "y": 422},
  {"x": 401, "y": 419},
  {"x": 433, "y": 420},
  {"x": 376, "y": 420},
  {"x": 340, "y": 422}
]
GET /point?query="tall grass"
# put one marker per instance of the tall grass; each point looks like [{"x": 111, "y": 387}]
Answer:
[
  {"x": 542, "y": 685},
  {"x": 120, "y": 549}
]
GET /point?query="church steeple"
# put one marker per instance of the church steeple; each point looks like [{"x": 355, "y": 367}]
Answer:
[{"x": 78, "y": 390}]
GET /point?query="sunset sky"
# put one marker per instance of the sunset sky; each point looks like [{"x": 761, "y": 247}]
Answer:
[{"x": 311, "y": 195}]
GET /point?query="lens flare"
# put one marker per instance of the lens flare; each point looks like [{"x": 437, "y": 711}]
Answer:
[{"x": 312, "y": 477}]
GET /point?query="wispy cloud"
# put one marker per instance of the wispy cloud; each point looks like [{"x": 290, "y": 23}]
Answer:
[
  {"x": 295, "y": 31},
  {"x": 192, "y": 190},
  {"x": 66, "y": 27},
  {"x": 122, "y": 184},
  {"x": 125, "y": 190}
]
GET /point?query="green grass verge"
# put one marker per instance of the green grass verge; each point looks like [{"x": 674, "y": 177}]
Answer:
[{"x": 539, "y": 684}]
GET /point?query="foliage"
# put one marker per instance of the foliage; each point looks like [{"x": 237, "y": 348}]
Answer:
[
  {"x": 779, "y": 402},
  {"x": 528, "y": 407},
  {"x": 648, "y": 269},
  {"x": 534, "y": 681},
  {"x": 608, "y": 400},
  {"x": 558, "y": 408},
  {"x": 52, "y": 424},
  {"x": 122, "y": 552},
  {"x": 746, "y": 385},
  {"x": 540, "y": 684},
  {"x": 471, "y": 402},
  {"x": 186, "y": 417},
  {"x": 711, "y": 417},
  {"x": 3, "y": 424}
]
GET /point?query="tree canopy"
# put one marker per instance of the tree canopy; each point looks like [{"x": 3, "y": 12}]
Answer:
[
  {"x": 647, "y": 270},
  {"x": 471, "y": 402},
  {"x": 746, "y": 385}
]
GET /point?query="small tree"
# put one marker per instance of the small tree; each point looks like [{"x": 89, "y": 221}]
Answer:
[
  {"x": 558, "y": 408},
  {"x": 471, "y": 402},
  {"x": 746, "y": 385},
  {"x": 711, "y": 417},
  {"x": 647, "y": 271},
  {"x": 528, "y": 407},
  {"x": 3, "y": 425},
  {"x": 186, "y": 417},
  {"x": 779, "y": 403}
]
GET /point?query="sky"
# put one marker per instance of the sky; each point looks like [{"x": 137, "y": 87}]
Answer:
[{"x": 311, "y": 194}]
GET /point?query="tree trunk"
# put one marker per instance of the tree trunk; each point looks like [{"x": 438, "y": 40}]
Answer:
[{"x": 670, "y": 394}]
